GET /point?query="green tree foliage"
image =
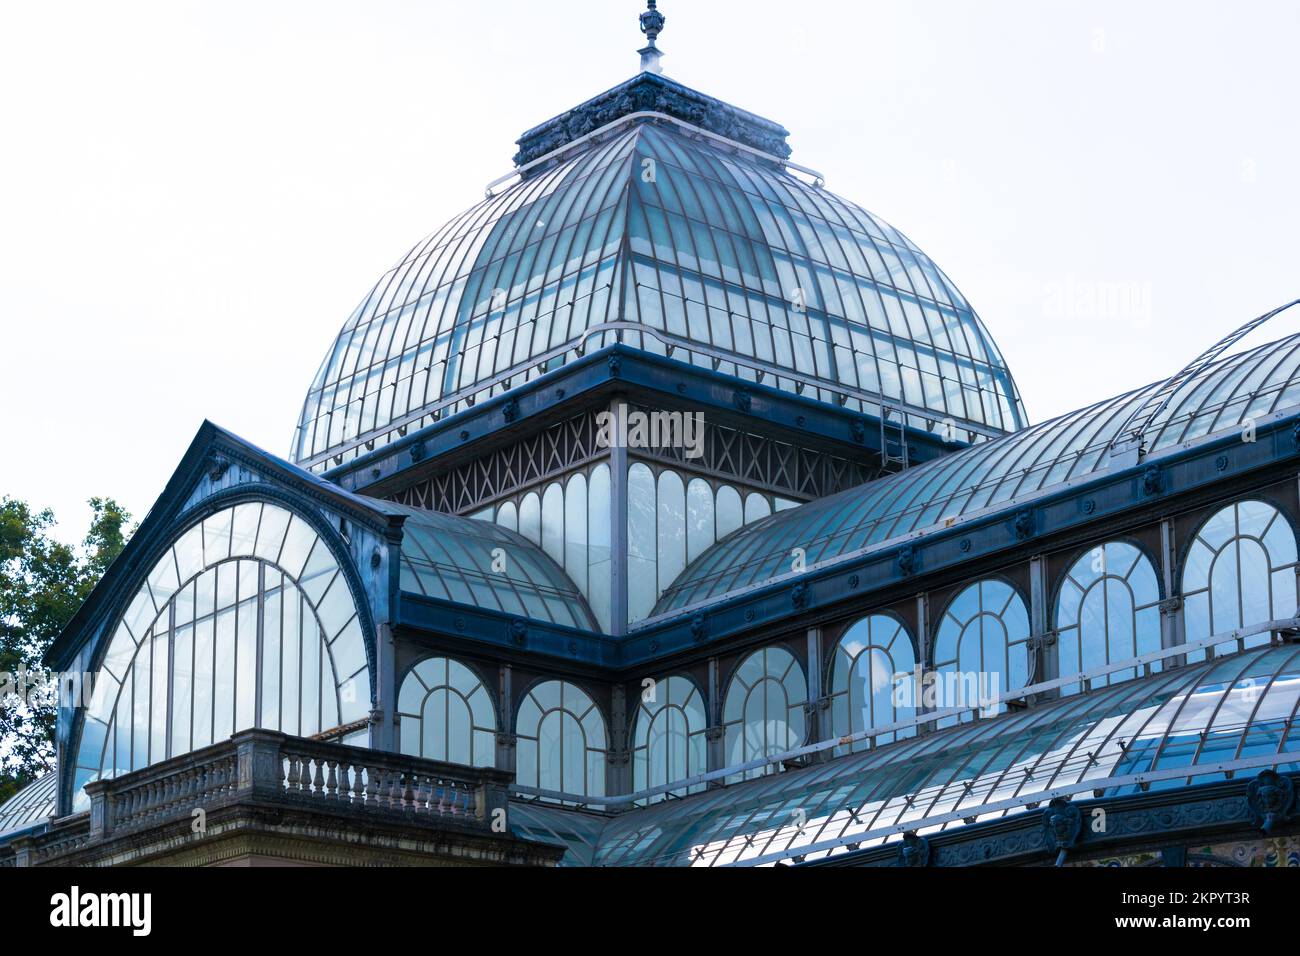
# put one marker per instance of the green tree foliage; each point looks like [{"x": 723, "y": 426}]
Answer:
[{"x": 42, "y": 584}]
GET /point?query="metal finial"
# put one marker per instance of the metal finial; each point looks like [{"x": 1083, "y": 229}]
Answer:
[{"x": 652, "y": 23}]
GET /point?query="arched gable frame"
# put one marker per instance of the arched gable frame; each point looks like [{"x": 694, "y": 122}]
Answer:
[{"x": 151, "y": 545}]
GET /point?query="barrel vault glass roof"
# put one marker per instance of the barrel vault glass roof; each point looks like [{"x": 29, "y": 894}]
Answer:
[
  {"x": 31, "y": 805},
  {"x": 450, "y": 558},
  {"x": 658, "y": 228},
  {"x": 1239, "y": 707},
  {"x": 1252, "y": 384}
]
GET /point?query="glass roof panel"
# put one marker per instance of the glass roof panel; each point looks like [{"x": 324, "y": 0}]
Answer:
[
  {"x": 1231, "y": 708},
  {"x": 655, "y": 227},
  {"x": 993, "y": 473},
  {"x": 31, "y": 805},
  {"x": 451, "y": 558}
]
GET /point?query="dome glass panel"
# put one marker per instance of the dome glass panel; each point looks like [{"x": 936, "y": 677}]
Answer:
[{"x": 669, "y": 243}]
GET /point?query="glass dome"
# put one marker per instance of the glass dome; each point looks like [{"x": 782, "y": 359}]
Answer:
[{"x": 667, "y": 240}]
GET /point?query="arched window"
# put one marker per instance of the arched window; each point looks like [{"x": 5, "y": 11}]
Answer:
[
  {"x": 866, "y": 676},
  {"x": 245, "y": 621},
  {"x": 669, "y": 743},
  {"x": 561, "y": 742},
  {"x": 980, "y": 649},
  {"x": 445, "y": 713},
  {"x": 1108, "y": 609},
  {"x": 671, "y": 522},
  {"x": 1240, "y": 570},
  {"x": 763, "y": 712},
  {"x": 571, "y": 522}
]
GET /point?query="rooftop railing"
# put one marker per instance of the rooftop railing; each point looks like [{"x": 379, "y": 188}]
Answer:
[
  {"x": 1285, "y": 630},
  {"x": 269, "y": 767}
]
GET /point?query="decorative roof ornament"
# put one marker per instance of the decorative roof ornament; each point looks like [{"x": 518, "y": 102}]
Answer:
[{"x": 652, "y": 22}]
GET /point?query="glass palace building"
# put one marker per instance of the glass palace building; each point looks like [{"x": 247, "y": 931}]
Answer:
[{"x": 667, "y": 509}]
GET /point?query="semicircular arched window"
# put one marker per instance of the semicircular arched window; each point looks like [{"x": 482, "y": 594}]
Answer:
[
  {"x": 1107, "y": 609},
  {"x": 245, "y": 621},
  {"x": 981, "y": 647},
  {"x": 1240, "y": 570},
  {"x": 445, "y": 713},
  {"x": 560, "y": 740},
  {"x": 866, "y": 675},
  {"x": 763, "y": 712},
  {"x": 669, "y": 742}
]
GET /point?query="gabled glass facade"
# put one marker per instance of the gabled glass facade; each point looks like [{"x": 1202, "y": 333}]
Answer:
[{"x": 247, "y": 620}]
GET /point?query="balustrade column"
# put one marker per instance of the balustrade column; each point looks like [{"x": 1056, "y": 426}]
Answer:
[{"x": 258, "y": 763}]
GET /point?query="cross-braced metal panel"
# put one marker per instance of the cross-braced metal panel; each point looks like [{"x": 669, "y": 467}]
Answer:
[
  {"x": 530, "y": 461},
  {"x": 762, "y": 462}
]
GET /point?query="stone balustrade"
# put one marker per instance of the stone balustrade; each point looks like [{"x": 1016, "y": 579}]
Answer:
[{"x": 273, "y": 768}]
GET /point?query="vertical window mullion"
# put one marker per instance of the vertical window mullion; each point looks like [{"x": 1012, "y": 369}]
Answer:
[{"x": 171, "y": 675}]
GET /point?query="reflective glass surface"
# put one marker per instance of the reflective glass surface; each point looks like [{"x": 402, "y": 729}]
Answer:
[
  {"x": 486, "y": 565},
  {"x": 569, "y": 519},
  {"x": 31, "y": 805},
  {"x": 763, "y": 710},
  {"x": 673, "y": 519},
  {"x": 560, "y": 740},
  {"x": 1226, "y": 396},
  {"x": 980, "y": 648},
  {"x": 247, "y": 598},
  {"x": 1107, "y": 609},
  {"x": 445, "y": 713},
  {"x": 1236, "y": 707},
  {"x": 867, "y": 668},
  {"x": 668, "y": 742},
  {"x": 656, "y": 228},
  {"x": 1239, "y": 570}
]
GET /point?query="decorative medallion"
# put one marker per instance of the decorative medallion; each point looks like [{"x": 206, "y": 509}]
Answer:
[
  {"x": 1271, "y": 798},
  {"x": 914, "y": 851}
]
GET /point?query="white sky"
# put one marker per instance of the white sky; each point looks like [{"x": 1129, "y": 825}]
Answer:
[{"x": 194, "y": 196}]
